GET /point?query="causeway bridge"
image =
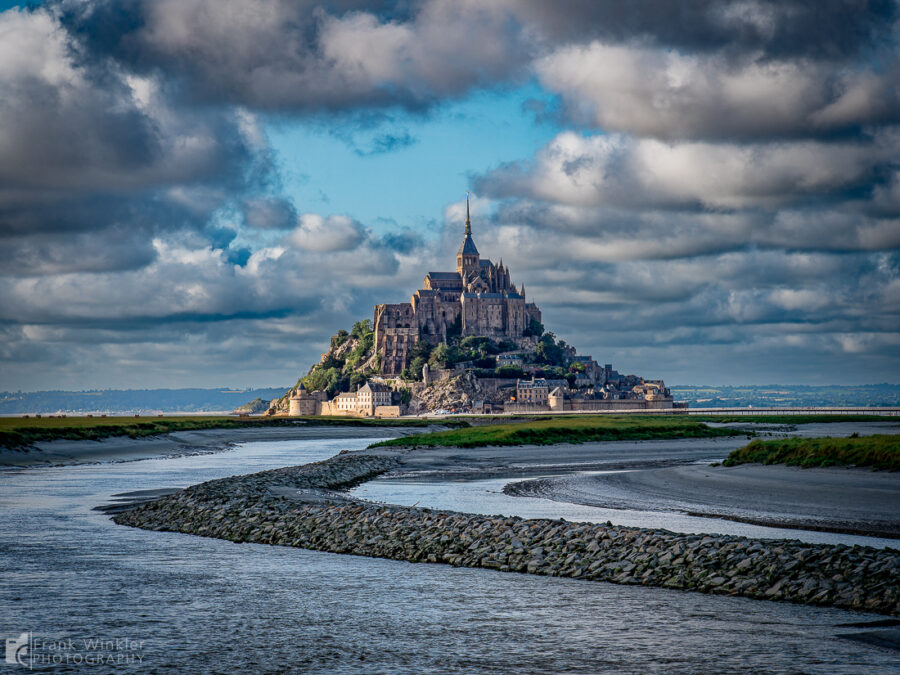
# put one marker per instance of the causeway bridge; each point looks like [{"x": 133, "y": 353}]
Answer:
[
  {"x": 798, "y": 410},
  {"x": 748, "y": 411}
]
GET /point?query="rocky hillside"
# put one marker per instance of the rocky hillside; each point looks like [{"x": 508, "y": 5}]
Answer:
[
  {"x": 349, "y": 363},
  {"x": 255, "y": 407},
  {"x": 457, "y": 393}
]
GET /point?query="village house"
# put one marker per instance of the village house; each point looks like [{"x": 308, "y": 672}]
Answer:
[
  {"x": 533, "y": 391},
  {"x": 370, "y": 396},
  {"x": 515, "y": 360}
]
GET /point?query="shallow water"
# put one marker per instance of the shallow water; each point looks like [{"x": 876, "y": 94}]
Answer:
[
  {"x": 207, "y": 605},
  {"x": 486, "y": 496}
]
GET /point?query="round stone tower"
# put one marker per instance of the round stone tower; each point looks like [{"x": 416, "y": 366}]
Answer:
[{"x": 294, "y": 408}]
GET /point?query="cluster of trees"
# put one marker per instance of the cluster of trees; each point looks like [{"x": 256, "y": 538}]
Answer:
[
  {"x": 339, "y": 373},
  {"x": 419, "y": 355},
  {"x": 514, "y": 372},
  {"x": 535, "y": 328},
  {"x": 550, "y": 351},
  {"x": 480, "y": 354},
  {"x": 479, "y": 351}
]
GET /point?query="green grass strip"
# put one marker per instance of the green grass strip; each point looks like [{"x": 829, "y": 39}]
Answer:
[
  {"x": 878, "y": 452},
  {"x": 580, "y": 429},
  {"x": 20, "y": 433}
]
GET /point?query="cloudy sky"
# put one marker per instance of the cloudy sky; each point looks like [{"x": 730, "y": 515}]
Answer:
[{"x": 200, "y": 193}]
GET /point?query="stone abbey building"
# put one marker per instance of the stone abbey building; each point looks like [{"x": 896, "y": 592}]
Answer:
[{"x": 477, "y": 299}]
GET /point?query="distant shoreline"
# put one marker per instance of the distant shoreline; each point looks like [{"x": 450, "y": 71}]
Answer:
[
  {"x": 188, "y": 442},
  {"x": 223, "y": 400},
  {"x": 24, "y": 433}
]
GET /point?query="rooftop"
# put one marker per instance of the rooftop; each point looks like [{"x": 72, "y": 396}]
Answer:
[
  {"x": 374, "y": 387},
  {"x": 467, "y": 247}
]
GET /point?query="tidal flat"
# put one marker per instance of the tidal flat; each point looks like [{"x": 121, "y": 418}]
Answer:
[
  {"x": 198, "y": 600},
  {"x": 260, "y": 508}
]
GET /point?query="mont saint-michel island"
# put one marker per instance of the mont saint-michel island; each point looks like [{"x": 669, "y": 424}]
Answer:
[
  {"x": 427, "y": 336},
  {"x": 468, "y": 342}
]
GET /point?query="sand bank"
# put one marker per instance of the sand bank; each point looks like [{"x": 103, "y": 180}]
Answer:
[
  {"x": 848, "y": 500},
  {"x": 564, "y": 457},
  {"x": 123, "y": 448}
]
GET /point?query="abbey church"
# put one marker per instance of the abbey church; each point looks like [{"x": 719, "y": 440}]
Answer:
[{"x": 479, "y": 298}]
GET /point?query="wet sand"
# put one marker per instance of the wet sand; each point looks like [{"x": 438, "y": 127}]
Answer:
[
  {"x": 122, "y": 448},
  {"x": 495, "y": 461},
  {"x": 848, "y": 500},
  {"x": 564, "y": 457},
  {"x": 675, "y": 476}
]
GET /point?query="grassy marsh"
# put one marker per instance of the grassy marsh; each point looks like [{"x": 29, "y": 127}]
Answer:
[
  {"x": 580, "y": 429},
  {"x": 878, "y": 452},
  {"x": 22, "y": 432}
]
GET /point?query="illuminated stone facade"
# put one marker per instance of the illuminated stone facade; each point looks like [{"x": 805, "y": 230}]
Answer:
[{"x": 477, "y": 299}]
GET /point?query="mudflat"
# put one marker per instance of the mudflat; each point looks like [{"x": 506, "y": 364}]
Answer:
[
  {"x": 564, "y": 457},
  {"x": 490, "y": 460},
  {"x": 123, "y": 448},
  {"x": 837, "y": 499}
]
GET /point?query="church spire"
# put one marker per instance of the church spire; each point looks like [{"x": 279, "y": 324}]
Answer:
[
  {"x": 467, "y": 259},
  {"x": 468, "y": 222}
]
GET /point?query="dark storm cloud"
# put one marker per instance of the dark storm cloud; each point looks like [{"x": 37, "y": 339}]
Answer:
[
  {"x": 677, "y": 95},
  {"x": 319, "y": 55},
  {"x": 34, "y": 256},
  {"x": 824, "y": 29},
  {"x": 95, "y": 161},
  {"x": 622, "y": 171},
  {"x": 74, "y": 125},
  {"x": 281, "y": 55}
]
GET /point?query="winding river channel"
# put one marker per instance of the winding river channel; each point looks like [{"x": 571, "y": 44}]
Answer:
[{"x": 207, "y": 605}]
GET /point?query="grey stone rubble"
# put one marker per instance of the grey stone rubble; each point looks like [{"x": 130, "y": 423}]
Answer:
[{"x": 244, "y": 509}]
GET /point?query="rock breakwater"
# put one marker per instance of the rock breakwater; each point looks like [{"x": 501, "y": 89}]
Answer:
[{"x": 254, "y": 509}]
